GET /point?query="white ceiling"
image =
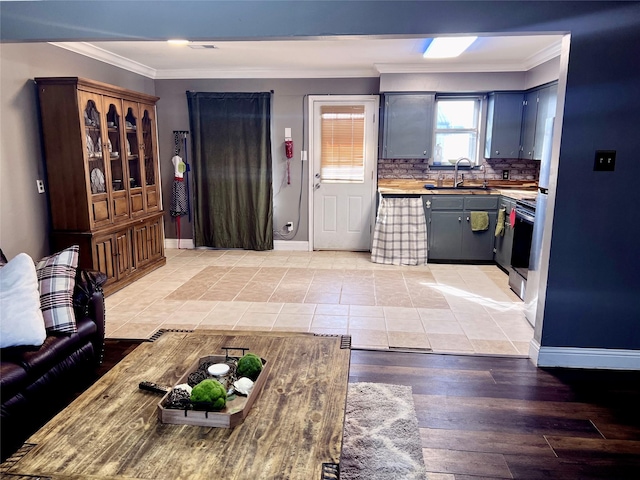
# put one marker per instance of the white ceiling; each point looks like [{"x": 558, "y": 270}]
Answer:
[{"x": 316, "y": 58}]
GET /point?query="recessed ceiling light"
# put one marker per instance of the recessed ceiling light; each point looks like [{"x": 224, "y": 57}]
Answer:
[
  {"x": 448, "y": 47},
  {"x": 178, "y": 41}
]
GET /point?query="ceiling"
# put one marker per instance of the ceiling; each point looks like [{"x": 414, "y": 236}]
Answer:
[{"x": 317, "y": 57}]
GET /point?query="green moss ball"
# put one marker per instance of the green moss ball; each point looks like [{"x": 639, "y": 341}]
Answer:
[
  {"x": 249, "y": 366},
  {"x": 210, "y": 391}
]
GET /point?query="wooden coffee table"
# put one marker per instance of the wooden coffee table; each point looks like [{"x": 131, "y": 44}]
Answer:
[{"x": 112, "y": 430}]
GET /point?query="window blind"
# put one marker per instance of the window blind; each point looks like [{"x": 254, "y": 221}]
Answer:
[{"x": 342, "y": 143}]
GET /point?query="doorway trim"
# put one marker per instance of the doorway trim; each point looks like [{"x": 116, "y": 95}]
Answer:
[{"x": 311, "y": 160}]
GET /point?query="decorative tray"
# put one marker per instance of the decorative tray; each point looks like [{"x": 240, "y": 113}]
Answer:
[{"x": 231, "y": 415}]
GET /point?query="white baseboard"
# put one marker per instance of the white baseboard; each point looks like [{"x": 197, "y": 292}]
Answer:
[
  {"x": 300, "y": 246},
  {"x": 184, "y": 243},
  {"x": 534, "y": 351},
  {"x": 187, "y": 243},
  {"x": 571, "y": 357}
]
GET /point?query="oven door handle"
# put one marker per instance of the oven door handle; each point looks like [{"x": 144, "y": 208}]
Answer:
[{"x": 525, "y": 216}]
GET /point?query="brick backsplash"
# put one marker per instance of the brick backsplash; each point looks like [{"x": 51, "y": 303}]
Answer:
[{"x": 418, "y": 169}]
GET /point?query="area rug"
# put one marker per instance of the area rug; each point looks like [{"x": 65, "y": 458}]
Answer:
[{"x": 381, "y": 436}]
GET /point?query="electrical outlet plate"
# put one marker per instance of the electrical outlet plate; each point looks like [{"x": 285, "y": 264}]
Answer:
[
  {"x": 40, "y": 185},
  {"x": 505, "y": 174},
  {"x": 605, "y": 161}
]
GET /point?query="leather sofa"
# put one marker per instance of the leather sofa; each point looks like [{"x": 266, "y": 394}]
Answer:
[{"x": 36, "y": 382}]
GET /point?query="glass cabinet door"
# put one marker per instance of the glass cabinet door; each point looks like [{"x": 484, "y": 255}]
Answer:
[
  {"x": 150, "y": 161},
  {"x": 134, "y": 152},
  {"x": 117, "y": 167},
  {"x": 93, "y": 147}
]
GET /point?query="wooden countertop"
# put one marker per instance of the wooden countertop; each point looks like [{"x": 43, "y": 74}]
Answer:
[{"x": 515, "y": 190}]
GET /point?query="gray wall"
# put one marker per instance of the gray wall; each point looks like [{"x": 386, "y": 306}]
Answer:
[
  {"x": 543, "y": 73},
  {"x": 451, "y": 82},
  {"x": 289, "y": 111},
  {"x": 593, "y": 280},
  {"x": 23, "y": 212}
]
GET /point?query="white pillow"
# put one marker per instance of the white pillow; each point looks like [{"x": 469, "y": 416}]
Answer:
[{"x": 21, "y": 321}]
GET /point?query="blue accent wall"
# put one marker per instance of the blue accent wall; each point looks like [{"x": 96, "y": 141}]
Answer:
[{"x": 594, "y": 280}]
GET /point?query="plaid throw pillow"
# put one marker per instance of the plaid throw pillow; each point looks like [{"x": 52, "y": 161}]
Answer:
[
  {"x": 3, "y": 259},
  {"x": 56, "y": 280}
]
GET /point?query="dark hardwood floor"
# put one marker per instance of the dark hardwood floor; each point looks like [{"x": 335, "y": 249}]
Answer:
[
  {"x": 495, "y": 418},
  {"x": 491, "y": 417}
]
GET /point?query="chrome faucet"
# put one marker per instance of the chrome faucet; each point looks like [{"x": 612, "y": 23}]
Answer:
[
  {"x": 457, "y": 183},
  {"x": 483, "y": 167}
]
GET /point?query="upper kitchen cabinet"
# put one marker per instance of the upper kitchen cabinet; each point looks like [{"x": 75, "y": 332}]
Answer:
[
  {"x": 547, "y": 100},
  {"x": 101, "y": 156},
  {"x": 504, "y": 123},
  {"x": 407, "y": 125},
  {"x": 529, "y": 115},
  {"x": 540, "y": 104}
]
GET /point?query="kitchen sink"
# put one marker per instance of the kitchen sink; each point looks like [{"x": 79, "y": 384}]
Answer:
[{"x": 430, "y": 187}]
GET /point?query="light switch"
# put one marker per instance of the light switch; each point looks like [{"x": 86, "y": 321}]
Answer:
[{"x": 605, "y": 161}]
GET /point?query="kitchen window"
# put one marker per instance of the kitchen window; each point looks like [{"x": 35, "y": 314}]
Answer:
[{"x": 457, "y": 122}]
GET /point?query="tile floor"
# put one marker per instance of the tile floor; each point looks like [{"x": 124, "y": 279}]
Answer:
[{"x": 439, "y": 308}]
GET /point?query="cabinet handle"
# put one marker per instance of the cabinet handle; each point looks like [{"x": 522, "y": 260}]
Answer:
[
  {"x": 424, "y": 153},
  {"x": 497, "y": 152},
  {"x": 467, "y": 219},
  {"x": 459, "y": 219}
]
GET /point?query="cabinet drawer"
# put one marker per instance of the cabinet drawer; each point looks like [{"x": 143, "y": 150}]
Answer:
[
  {"x": 447, "y": 202},
  {"x": 487, "y": 202}
]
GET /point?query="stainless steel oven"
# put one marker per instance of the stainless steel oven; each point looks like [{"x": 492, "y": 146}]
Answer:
[{"x": 522, "y": 238}]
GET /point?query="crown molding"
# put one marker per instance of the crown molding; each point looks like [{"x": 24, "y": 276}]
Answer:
[
  {"x": 261, "y": 73},
  {"x": 467, "y": 67},
  {"x": 96, "y": 53},
  {"x": 448, "y": 68},
  {"x": 91, "y": 51},
  {"x": 542, "y": 56}
]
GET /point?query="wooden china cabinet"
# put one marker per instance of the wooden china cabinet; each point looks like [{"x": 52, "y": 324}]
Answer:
[{"x": 102, "y": 168}]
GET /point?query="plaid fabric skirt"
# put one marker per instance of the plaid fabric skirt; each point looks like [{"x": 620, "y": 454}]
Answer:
[
  {"x": 400, "y": 233},
  {"x": 178, "y": 198}
]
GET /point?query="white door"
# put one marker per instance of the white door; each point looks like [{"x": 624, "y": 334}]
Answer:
[{"x": 343, "y": 147}]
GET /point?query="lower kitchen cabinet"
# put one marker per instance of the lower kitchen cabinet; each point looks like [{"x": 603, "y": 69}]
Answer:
[
  {"x": 449, "y": 232},
  {"x": 504, "y": 243}
]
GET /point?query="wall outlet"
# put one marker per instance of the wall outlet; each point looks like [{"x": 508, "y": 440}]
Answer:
[
  {"x": 40, "y": 185},
  {"x": 289, "y": 226},
  {"x": 505, "y": 174},
  {"x": 605, "y": 161}
]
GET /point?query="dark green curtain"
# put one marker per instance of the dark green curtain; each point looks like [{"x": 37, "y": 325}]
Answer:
[{"x": 233, "y": 198}]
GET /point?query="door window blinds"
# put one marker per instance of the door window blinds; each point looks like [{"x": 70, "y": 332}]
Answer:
[{"x": 342, "y": 143}]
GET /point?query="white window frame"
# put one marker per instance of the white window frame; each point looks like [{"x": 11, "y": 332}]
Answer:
[{"x": 478, "y": 130}]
